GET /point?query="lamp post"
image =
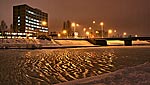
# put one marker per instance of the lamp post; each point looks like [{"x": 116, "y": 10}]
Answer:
[
  {"x": 73, "y": 25},
  {"x": 43, "y": 23},
  {"x": 124, "y": 34},
  {"x": 102, "y": 28},
  {"x": 87, "y": 33},
  {"x": 109, "y": 32}
]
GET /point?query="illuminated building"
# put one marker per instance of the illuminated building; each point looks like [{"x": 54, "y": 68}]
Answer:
[
  {"x": 29, "y": 20},
  {"x": 67, "y": 27}
]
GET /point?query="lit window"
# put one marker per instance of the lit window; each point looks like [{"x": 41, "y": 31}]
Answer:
[
  {"x": 18, "y": 20},
  {"x": 26, "y": 20},
  {"x": 27, "y": 17}
]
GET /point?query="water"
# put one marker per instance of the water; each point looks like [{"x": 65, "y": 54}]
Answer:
[{"x": 51, "y": 66}]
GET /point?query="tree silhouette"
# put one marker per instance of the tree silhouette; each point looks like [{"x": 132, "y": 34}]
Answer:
[{"x": 3, "y": 27}]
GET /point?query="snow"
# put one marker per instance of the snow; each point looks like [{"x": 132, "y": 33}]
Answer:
[
  {"x": 119, "y": 42},
  {"x": 115, "y": 42},
  {"x": 74, "y": 43},
  {"x": 137, "y": 75},
  {"x": 140, "y": 42}
]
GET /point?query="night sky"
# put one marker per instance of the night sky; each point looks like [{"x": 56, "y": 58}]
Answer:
[{"x": 131, "y": 16}]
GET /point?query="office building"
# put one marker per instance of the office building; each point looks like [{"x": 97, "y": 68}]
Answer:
[{"x": 29, "y": 20}]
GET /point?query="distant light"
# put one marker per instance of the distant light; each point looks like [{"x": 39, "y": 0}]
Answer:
[
  {"x": 64, "y": 31},
  {"x": 84, "y": 29},
  {"x": 97, "y": 32},
  {"x": 115, "y": 30},
  {"x": 59, "y": 34},
  {"x": 77, "y": 25},
  {"x": 73, "y": 24},
  {"x": 124, "y": 33},
  {"x": 109, "y": 31},
  {"x": 90, "y": 28},
  {"x": 87, "y": 33},
  {"x": 101, "y": 23},
  {"x": 44, "y": 23},
  {"x": 76, "y": 33},
  {"x": 136, "y": 35},
  {"x": 93, "y": 22}
]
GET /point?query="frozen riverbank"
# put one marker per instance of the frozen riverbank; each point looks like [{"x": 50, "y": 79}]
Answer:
[
  {"x": 25, "y": 43},
  {"x": 138, "y": 75},
  {"x": 55, "y": 66},
  {"x": 51, "y": 44},
  {"x": 39, "y": 43}
]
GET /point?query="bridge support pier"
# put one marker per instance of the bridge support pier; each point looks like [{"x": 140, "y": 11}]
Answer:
[
  {"x": 101, "y": 42},
  {"x": 128, "y": 42}
]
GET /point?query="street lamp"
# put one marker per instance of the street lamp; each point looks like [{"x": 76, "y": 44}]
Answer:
[
  {"x": 84, "y": 29},
  {"x": 87, "y": 33},
  {"x": 90, "y": 28},
  {"x": 94, "y": 22},
  {"x": 59, "y": 35},
  {"x": 136, "y": 35},
  {"x": 102, "y": 28},
  {"x": 73, "y": 25},
  {"x": 124, "y": 34},
  {"x": 44, "y": 23},
  {"x": 109, "y": 32},
  {"x": 64, "y": 31}
]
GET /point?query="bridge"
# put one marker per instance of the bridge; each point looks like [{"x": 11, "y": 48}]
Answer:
[{"x": 103, "y": 41}]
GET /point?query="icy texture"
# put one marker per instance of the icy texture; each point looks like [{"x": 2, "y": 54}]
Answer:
[{"x": 138, "y": 75}]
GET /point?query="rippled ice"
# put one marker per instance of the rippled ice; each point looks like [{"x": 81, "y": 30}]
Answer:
[{"x": 51, "y": 66}]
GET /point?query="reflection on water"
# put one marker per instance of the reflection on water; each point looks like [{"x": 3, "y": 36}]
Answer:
[{"x": 61, "y": 65}]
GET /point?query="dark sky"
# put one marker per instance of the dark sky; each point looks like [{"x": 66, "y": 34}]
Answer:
[{"x": 131, "y": 16}]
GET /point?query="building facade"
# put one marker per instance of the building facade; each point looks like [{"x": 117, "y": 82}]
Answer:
[
  {"x": 29, "y": 20},
  {"x": 68, "y": 28}
]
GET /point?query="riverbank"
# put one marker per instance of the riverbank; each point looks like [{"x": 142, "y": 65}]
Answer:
[
  {"x": 54, "y": 44},
  {"x": 42, "y": 44},
  {"x": 55, "y": 66},
  {"x": 137, "y": 75}
]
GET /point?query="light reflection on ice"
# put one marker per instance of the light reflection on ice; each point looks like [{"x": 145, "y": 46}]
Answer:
[{"x": 53, "y": 66}]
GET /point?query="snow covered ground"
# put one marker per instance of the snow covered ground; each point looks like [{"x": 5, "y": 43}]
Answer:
[
  {"x": 137, "y": 75},
  {"x": 74, "y": 43},
  {"x": 29, "y": 43},
  {"x": 119, "y": 42}
]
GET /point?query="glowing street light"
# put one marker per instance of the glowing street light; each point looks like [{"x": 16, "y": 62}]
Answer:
[
  {"x": 73, "y": 24},
  {"x": 44, "y": 23},
  {"x": 64, "y": 31},
  {"x": 77, "y": 25},
  {"x": 136, "y": 35},
  {"x": 110, "y": 32},
  {"x": 97, "y": 32},
  {"x": 124, "y": 33},
  {"x": 76, "y": 34},
  {"x": 90, "y": 28},
  {"x": 59, "y": 35},
  {"x": 94, "y": 22},
  {"x": 87, "y": 33},
  {"x": 84, "y": 29},
  {"x": 102, "y": 28}
]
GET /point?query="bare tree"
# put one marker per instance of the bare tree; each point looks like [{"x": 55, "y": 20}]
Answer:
[
  {"x": 11, "y": 29},
  {"x": 3, "y": 27}
]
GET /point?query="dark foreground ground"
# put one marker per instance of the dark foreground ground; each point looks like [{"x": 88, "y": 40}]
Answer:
[{"x": 55, "y": 66}]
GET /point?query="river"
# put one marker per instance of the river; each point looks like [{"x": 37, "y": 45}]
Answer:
[{"x": 52, "y": 66}]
